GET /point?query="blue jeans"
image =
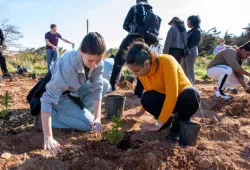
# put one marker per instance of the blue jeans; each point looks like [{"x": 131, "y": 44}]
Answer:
[
  {"x": 51, "y": 55},
  {"x": 67, "y": 114}
]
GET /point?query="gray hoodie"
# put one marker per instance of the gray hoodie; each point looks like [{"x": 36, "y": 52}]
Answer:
[{"x": 174, "y": 39}]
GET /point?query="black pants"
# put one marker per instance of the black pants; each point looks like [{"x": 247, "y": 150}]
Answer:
[
  {"x": 187, "y": 103},
  {"x": 3, "y": 63},
  {"x": 177, "y": 53},
  {"x": 120, "y": 61}
]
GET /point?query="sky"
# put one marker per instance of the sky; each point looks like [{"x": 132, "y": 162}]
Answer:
[{"x": 34, "y": 17}]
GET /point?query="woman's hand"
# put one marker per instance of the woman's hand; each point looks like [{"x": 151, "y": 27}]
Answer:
[
  {"x": 97, "y": 126},
  {"x": 51, "y": 145},
  {"x": 152, "y": 127}
]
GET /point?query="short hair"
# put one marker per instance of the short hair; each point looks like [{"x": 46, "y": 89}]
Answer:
[
  {"x": 52, "y": 26},
  {"x": 246, "y": 46},
  {"x": 195, "y": 21},
  {"x": 93, "y": 43}
]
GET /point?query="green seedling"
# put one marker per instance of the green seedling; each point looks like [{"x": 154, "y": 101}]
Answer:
[
  {"x": 5, "y": 102},
  {"x": 115, "y": 135}
]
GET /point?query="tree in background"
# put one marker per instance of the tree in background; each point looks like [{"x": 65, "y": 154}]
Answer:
[
  {"x": 228, "y": 38},
  {"x": 209, "y": 40},
  {"x": 11, "y": 33},
  {"x": 111, "y": 51}
]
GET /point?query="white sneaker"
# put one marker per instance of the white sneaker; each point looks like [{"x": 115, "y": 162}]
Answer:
[{"x": 220, "y": 94}]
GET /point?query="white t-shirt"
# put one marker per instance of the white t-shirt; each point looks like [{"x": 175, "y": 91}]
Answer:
[{"x": 156, "y": 49}]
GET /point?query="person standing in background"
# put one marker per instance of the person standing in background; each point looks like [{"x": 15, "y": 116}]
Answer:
[
  {"x": 194, "y": 35},
  {"x": 174, "y": 43},
  {"x": 2, "y": 58},
  {"x": 156, "y": 48},
  {"x": 220, "y": 47},
  {"x": 51, "y": 39}
]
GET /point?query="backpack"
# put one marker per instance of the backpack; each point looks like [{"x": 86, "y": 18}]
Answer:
[{"x": 150, "y": 26}]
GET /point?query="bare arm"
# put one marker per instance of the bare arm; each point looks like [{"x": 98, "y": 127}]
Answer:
[
  {"x": 46, "y": 123},
  {"x": 97, "y": 109},
  {"x": 240, "y": 77},
  {"x": 244, "y": 72},
  {"x": 66, "y": 41}
]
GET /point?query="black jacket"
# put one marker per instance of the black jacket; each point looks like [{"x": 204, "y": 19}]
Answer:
[
  {"x": 1, "y": 37},
  {"x": 132, "y": 21},
  {"x": 194, "y": 36}
]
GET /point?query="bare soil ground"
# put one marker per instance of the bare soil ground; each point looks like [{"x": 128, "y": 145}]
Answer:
[{"x": 223, "y": 142}]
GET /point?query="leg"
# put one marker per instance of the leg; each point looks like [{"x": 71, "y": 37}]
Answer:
[
  {"x": 187, "y": 104},
  {"x": 190, "y": 63},
  {"x": 67, "y": 114},
  {"x": 120, "y": 58},
  {"x": 222, "y": 73},
  {"x": 49, "y": 55},
  {"x": 184, "y": 65},
  {"x": 234, "y": 82},
  {"x": 86, "y": 95},
  {"x": 152, "y": 102},
  {"x": 55, "y": 55},
  {"x": 139, "y": 88},
  {"x": 177, "y": 54},
  {"x": 3, "y": 63}
]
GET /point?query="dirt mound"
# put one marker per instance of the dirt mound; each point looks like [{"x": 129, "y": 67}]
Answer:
[
  {"x": 223, "y": 142},
  {"x": 125, "y": 85}
]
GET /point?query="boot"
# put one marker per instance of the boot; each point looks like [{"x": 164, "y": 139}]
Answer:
[
  {"x": 174, "y": 133},
  {"x": 6, "y": 75}
]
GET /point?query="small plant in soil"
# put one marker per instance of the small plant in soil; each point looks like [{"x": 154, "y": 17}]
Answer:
[
  {"x": 115, "y": 135},
  {"x": 5, "y": 102}
]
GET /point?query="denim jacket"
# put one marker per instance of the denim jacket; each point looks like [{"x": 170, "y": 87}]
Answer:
[{"x": 67, "y": 75}]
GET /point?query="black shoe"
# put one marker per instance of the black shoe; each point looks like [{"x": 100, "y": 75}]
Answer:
[
  {"x": 174, "y": 133},
  {"x": 7, "y": 75}
]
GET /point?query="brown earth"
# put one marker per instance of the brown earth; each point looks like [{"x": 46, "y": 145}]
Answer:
[{"x": 223, "y": 142}]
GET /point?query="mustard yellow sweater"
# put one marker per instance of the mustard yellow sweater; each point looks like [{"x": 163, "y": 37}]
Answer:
[{"x": 167, "y": 78}]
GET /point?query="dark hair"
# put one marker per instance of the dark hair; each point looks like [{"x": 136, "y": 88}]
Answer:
[
  {"x": 195, "y": 21},
  {"x": 180, "y": 25},
  {"x": 52, "y": 26},
  {"x": 138, "y": 53},
  {"x": 93, "y": 43},
  {"x": 246, "y": 46}
]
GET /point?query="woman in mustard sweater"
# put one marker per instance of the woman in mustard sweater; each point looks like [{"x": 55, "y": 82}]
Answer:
[{"x": 167, "y": 90}]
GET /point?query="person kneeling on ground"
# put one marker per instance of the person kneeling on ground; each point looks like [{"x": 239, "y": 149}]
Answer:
[
  {"x": 167, "y": 90},
  {"x": 74, "y": 91},
  {"x": 226, "y": 67}
]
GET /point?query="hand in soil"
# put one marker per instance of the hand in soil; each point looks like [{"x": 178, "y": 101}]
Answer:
[
  {"x": 149, "y": 127},
  {"x": 51, "y": 145},
  {"x": 97, "y": 126}
]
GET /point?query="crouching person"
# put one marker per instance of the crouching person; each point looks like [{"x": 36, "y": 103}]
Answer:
[
  {"x": 167, "y": 90},
  {"x": 226, "y": 68},
  {"x": 74, "y": 91}
]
